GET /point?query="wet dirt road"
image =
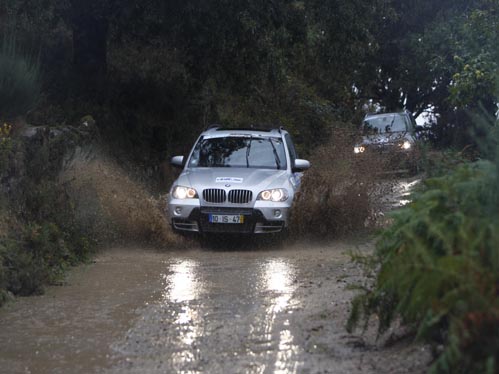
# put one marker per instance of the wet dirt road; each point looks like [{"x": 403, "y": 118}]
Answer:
[{"x": 266, "y": 310}]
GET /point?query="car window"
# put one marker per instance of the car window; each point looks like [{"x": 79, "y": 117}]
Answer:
[
  {"x": 385, "y": 124},
  {"x": 238, "y": 151}
]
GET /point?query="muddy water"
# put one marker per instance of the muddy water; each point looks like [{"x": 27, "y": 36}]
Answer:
[
  {"x": 70, "y": 328},
  {"x": 223, "y": 310}
]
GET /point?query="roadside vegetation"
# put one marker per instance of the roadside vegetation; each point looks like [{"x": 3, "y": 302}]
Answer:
[
  {"x": 436, "y": 268},
  {"x": 39, "y": 234},
  {"x": 59, "y": 198}
]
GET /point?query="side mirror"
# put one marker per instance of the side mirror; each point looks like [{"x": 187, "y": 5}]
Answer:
[
  {"x": 301, "y": 165},
  {"x": 177, "y": 161}
]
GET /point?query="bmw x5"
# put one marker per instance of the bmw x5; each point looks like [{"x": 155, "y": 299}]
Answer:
[{"x": 236, "y": 181}]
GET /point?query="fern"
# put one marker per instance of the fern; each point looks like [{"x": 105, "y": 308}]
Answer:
[{"x": 439, "y": 269}]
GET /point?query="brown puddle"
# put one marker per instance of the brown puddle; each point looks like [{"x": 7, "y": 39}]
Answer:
[
  {"x": 70, "y": 328},
  {"x": 265, "y": 310}
]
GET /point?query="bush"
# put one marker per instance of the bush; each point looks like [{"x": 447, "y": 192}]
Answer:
[
  {"x": 439, "y": 270},
  {"x": 38, "y": 257},
  {"x": 40, "y": 235},
  {"x": 45, "y": 241}
]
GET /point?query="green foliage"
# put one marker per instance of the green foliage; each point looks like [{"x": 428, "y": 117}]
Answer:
[
  {"x": 474, "y": 62},
  {"x": 5, "y": 146},
  {"x": 42, "y": 236},
  {"x": 19, "y": 80},
  {"x": 439, "y": 269},
  {"x": 155, "y": 71},
  {"x": 38, "y": 257},
  {"x": 441, "y": 55},
  {"x": 174, "y": 67}
]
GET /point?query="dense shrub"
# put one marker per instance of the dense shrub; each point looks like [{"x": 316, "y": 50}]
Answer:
[
  {"x": 38, "y": 256},
  {"x": 439, "y": 269},
  {"x": 46, "y": 240},
  {"x": 40, "y": 235}
]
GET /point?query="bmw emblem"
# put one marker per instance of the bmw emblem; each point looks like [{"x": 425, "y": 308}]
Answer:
[{"x": 227, "y": 185}]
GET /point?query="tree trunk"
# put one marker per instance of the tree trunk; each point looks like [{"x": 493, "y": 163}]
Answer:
[
  {"x": 90, "y": 45},
  {"x": 90, "y": 33}
]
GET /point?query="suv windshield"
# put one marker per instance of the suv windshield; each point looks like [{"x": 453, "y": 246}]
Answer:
[
  {"x": 384, "y": 124},
  {"x": 239, "y": 152}
]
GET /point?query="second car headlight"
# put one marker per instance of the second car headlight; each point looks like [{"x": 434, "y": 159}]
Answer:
[
  {"x": 359, "y": 149},
  {"x": 275, "y": 195},
  {"x": 181, "y": 192},
  {"x": 405, "y": 145}
]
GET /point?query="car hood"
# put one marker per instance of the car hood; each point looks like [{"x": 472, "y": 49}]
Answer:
[
  {"x": 388, "y": 138},
  {"x": 235, "y": 178}
]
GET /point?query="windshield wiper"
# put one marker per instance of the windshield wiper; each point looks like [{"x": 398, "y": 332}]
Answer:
[
  {"x": 277, "y": 159},
  {"x": 248, "y": 152}
]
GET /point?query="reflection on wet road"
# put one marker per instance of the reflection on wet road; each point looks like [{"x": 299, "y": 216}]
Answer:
[
  {"x": 182, "y": 287},
  {"x": 201, "y": 311},
  {"x": 395, "y": 194},
  {"x": 403, "y": 191},
  {"x": 181, "y": 284},
  {"x": 279, "y": 277},
  {"x": 225, "y": 305}
]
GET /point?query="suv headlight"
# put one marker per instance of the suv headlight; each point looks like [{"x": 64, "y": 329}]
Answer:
[
  {"x": 405, "y": 145},
  {"x": 180, "y": 192},
  {"x": 275, "y": 195},
  {"x": 359, "y": 149}
]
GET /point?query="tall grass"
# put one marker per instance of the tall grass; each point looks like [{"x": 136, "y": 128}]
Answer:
[
  {"x": 19, "y": 79},
  {"x": 437, "y": 268}
]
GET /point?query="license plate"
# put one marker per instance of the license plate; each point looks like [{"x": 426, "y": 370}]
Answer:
[{"x": 226, "y": 218}]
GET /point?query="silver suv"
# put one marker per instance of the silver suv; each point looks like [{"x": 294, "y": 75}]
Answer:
[
  {"x": 387, "y": 133},
  {"x": 236, "y": 181}
]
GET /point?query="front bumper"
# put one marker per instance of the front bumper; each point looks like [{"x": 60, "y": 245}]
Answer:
[{"x": 262, "y": 218}]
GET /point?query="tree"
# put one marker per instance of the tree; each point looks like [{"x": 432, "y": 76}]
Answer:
[{"x": 439, "y": 55}]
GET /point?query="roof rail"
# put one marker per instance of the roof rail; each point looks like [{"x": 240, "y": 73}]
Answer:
[
  {"x": 218, "y": 127},
  {"x": 213, "y": 126}
]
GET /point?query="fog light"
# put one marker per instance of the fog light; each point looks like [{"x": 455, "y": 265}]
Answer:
[
  {"x": 277, "y": 213},
  {"x": 178, "y": 210}
]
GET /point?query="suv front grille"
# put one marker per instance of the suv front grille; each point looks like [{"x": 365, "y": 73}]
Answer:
[
  {"x": 219, "y": 196},
  {"x": 240, "y": 196},
  {"x": 214, "y": 195}
]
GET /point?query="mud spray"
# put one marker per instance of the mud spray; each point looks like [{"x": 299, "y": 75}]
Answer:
[
  {"x": 341, "y": 194},
  {"x": 112, "y": 206}
]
